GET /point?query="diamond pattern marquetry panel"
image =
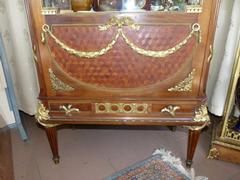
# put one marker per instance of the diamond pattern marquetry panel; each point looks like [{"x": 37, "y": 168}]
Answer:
[{"x": 121, "y": 67}]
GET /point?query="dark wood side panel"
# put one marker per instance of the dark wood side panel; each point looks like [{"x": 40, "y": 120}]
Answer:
[
  {"x": 35, "y": 46},
  {"x": 210, "y": 39}
]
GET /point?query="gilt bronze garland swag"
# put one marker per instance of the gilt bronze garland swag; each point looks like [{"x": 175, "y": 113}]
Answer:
[{"x": 120, "y": 23}]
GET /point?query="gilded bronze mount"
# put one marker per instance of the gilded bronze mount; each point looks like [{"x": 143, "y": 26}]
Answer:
[
  {"x": 42, "y": 116},
  {"x": 201, "y": 115},
  {"x": 120, "y": 23}
]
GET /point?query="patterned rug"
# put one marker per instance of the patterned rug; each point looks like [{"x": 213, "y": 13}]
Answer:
[{"x": 160, "y": 166}]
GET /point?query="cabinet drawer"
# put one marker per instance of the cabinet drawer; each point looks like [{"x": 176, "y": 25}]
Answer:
[
  {"x": 70, "y": 107},
  {"x": 165, "y": 109}
]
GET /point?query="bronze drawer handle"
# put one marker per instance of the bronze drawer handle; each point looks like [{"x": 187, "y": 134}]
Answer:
[
  {"x": 171, "y": 109},
  {"x": 68, "y": 109}
]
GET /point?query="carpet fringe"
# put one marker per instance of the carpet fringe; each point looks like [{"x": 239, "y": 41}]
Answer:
[{"x": 168, "y": 157}]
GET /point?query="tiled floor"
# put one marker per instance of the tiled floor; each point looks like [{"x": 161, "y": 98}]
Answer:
[{"x": 94, "y": 153}]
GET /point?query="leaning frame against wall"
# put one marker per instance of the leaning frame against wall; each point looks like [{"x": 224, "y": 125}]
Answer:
[
  {"x": 10, "y": 92},
  {"x": 226, "y": 136}
]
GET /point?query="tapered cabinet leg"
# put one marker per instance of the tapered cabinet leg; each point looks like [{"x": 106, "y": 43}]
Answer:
[
  {"x": 52, "y": 138},
  {"x": 193, "y": 136}
]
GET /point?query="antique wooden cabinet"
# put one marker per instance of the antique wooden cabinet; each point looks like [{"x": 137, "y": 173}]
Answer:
[{"x": 137, "y": 67}]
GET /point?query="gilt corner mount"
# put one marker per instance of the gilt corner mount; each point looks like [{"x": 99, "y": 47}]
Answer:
[
  {"x": 42, "y": 116},
  {"x": 57, "y": 84},
  {"x": 185, "y": 85}
]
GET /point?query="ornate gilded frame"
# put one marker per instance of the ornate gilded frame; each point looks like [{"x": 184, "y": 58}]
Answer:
[
  {"x": 225, "y": 134},
  {"x": 228, "y": 138}
]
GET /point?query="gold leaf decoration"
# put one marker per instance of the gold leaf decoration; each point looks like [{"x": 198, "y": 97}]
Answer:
[
  {"x": 185, "y": 85},
  {"x": 125, "y": 108},
  {"x": 120, "y": 23},
  {"x": 42, "y": 116},
  {"x": 201, "y": 114},
  {"x": 57, "y": 84}
]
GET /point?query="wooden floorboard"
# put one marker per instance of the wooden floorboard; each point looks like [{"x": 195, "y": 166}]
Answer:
[{"x": 6, "y": 162}]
